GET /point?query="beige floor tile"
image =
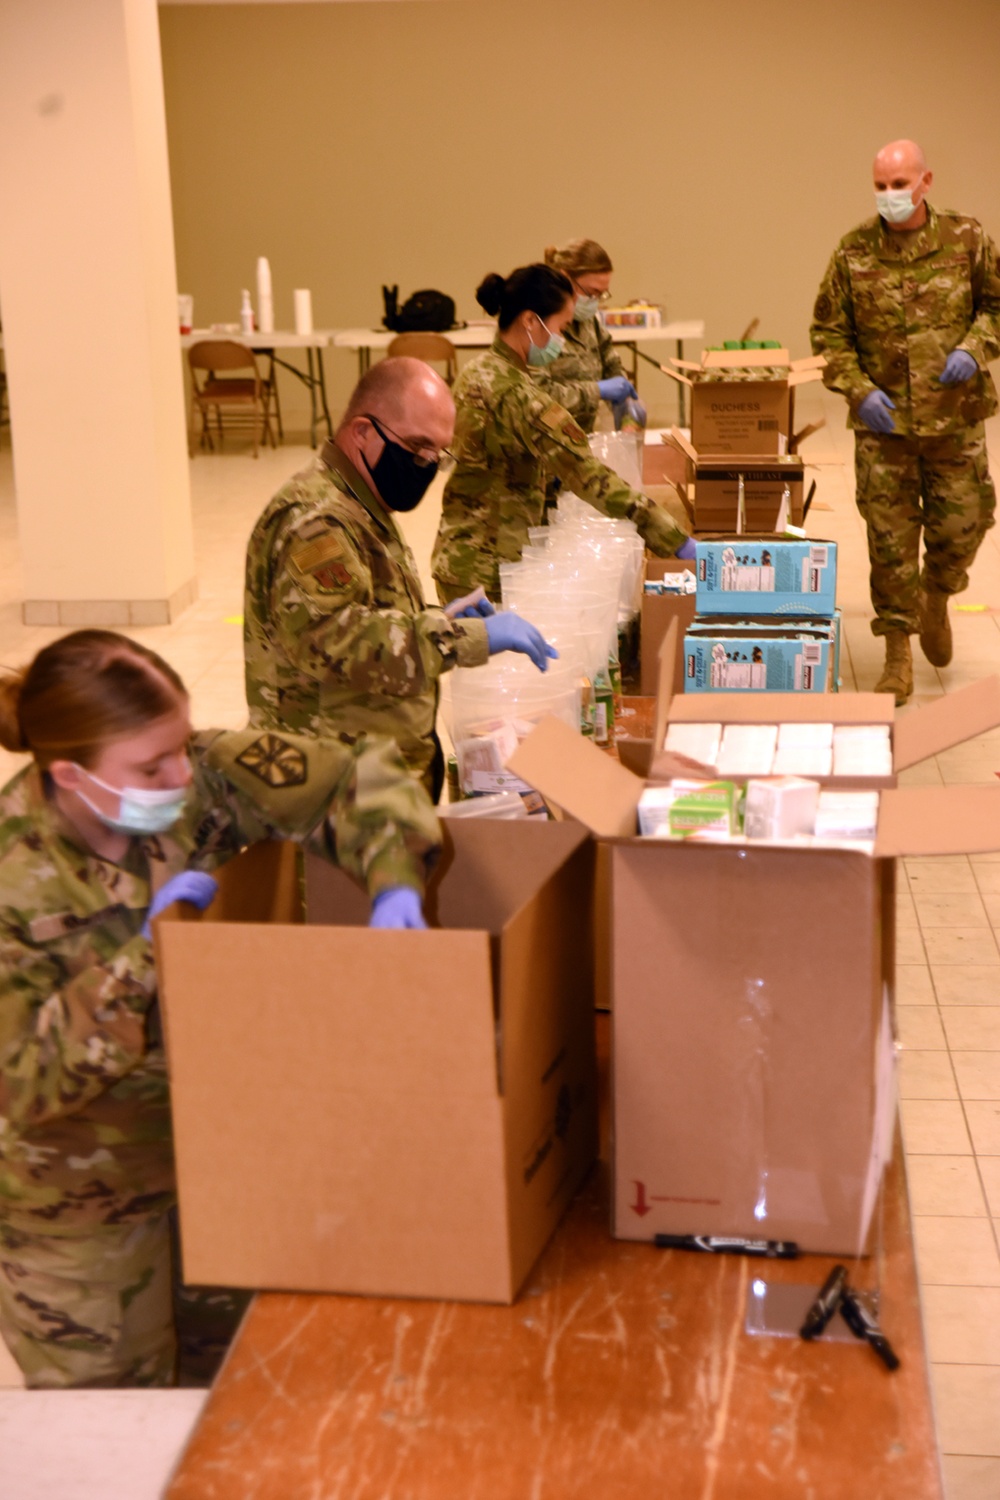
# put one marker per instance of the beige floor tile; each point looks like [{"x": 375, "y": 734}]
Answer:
[
  {"x": 983, "y": 1119},
  {"x": 987, "y": 875},
  {"x": 946, "y": 876},
  {"x": 960, "y": 945},
  {"x": 945, "y": 1186},
  {"x": 914, "y": 987},
  {"x": 925, "y": 774},
  {"x": 967, "y": 1403},
  {"x": 906, "y": 912},
  {"x": 991, "y": 903},
  {"x": 978, "y": 1073},
  {"x": 919, "y": 1027},
  {"x": 956, "y": 1252},
  {"x": 926, "y": 1075},
  {"x": 989, "y": 1168},
  {"x": 910, "y": 946},
  {"x": 970, "y": 1478},
  {"x": 934, "y": 1127},
  {"x": 970, "y": 1027},
  {"x": 962, "y": 1324},
  {"x": 966, "y": 984},
  {"x": 950, "y": 910}
]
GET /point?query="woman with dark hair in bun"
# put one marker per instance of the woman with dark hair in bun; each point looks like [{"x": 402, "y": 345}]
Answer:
[
  {"x": 122, "y": 811},
  {"x": 512, "y": 437}
]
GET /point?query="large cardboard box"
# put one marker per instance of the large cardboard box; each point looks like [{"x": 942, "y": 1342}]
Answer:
[
  {"x": 743, "y": 401},
  {"x": 772, "y": 492},
  {"x": 405, "y": 1113},
  {"x": 723, "y": 656},
  {"x": 770, "y": 575},
  {"x": 752, "y": 984}
]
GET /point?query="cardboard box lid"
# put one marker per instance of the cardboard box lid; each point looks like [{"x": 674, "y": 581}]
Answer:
[
  {"x": 915, "y": 820},
  {"x": 933, "y": 727},
  {"x": 570, "y": 771}
]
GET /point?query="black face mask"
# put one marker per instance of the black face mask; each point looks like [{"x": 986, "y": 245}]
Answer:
[{"x": 401, "y": 478}]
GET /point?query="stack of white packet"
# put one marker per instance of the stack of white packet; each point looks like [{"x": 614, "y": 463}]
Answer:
[
  {"x": 804, "y": 750},
  {"x": 699, "y": 741},
  {"x": 780, "y": 809},
  {"x": 862, "y": 750},
  {"x": 747, "y": 749},
  {"x": 847, "y": 815}
]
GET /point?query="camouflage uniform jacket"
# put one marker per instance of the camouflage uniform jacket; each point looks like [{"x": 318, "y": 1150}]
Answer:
[
  {"x": 510, "y": 438},
  {"x": 589, "y": 356},
  {"x": 893, "y": 306},
  {"x": 338, "y": 638},
  {"x": 85, "y": 1134}
]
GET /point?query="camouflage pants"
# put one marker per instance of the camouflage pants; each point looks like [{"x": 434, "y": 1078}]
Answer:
[
  {"x": 940, "y": 486},
  {"x": 89, "y": 1310}
]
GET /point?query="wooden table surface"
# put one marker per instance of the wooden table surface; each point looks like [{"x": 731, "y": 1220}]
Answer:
[{"x": 621, "y": 1372}]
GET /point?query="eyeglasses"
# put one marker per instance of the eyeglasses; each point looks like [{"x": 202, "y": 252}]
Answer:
[
  {"x": 424, "y": 457},
  {"x": 598, "y": 297}
]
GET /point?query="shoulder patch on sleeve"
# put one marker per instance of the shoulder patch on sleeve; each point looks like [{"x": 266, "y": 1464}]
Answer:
[
  {"x": 275, "y": 761},
  {"x": 308, "y": 556},
  {"x": 558, "y": 420}
]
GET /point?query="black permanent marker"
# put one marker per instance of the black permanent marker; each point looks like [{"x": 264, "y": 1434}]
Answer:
[
  {"x": 721, "y": 1244},
  {"x": 826, "y": 1303},
  {"x": 862, "y": 1323}
]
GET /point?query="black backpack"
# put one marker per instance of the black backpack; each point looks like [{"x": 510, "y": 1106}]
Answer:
[{"x": 424, "y": 312}]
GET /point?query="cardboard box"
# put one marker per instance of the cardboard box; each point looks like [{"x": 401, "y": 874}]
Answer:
[
  {"x": 722, "y": 659},
  {"x": 667, "y": 458},
  {"x": 722, "y": 626},
  {"x": 743, "y": 401},
  {"x": 766, "y": 576},
  {"x": 752, "y": 985},
  {"x": 772, "y": 494},
  {"x": 403, "y": 1113},
  {"x": 656, "y": 614}
]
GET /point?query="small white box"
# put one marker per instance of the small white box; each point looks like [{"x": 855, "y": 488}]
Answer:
[
  {"x": 747, "y": 749},
  {"x": 780, "y": 808},
  {"x": 805, "y": 736},
  {"x": 847, "y": 815},
  {"x": 862, "y": 750},
  {"x": 698, "y": 741},
  {"x": 803, "y": 760}
]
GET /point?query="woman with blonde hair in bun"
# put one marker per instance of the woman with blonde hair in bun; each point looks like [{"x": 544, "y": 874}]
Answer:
[
  {"x": 122, "y": 810},
  {"x": 588, "y": 371}
]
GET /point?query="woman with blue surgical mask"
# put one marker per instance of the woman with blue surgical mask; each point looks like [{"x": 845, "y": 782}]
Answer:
[
  {"x": 121, "y": 811},
  {"x": 588, "y": 370},
  {"x": 513, "y": 438}
]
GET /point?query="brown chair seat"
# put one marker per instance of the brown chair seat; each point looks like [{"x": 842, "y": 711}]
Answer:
[{"x": 238, "y": 399}]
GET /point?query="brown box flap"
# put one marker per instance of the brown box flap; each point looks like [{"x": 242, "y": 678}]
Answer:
[
  {"x": 926, "y": 731},
  {"x": 938, "y": 820},
  {"x": 676, "y": 374},
  {"x": 579, "y": 778},
  {"x": 810, "y": 362},
  {"x": 804, "y": 377},
  {"x": 676, "y": 436}
]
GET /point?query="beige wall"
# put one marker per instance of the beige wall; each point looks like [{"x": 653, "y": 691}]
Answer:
[{"x": 717, "y": 149}]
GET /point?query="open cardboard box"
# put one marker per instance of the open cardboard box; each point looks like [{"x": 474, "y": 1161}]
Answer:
[
  {"x": 403, "y": 1113},
  {"x": 752, "y": 985},
  {"x": 710, "y": 486},
  {"x": 745, "y": 415}
]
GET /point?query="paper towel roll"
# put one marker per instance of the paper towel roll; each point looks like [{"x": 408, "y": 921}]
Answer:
[
  {"x": 265, "y": 306},
  {"x": 303, "y": 310}
]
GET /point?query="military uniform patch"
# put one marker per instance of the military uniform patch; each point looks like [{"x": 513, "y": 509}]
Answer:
[
  {"x": 312, "y": 555},
  {"x": 331, "y": 577},
  {"x": 552, "y": 416},
  {"x": 275, "y": 762},
  {"x": 573, "y": 431},
  {"x": 823, "y": 308}
]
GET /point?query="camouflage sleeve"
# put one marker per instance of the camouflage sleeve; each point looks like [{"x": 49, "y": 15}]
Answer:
[
  {"x": 983, "y": 338},
  {"x": 66, "y": 1038},
  {"x": 581, "y": 398},
  {"x": 327, "y": 627},
  {"x": 833, "y": 334},
  {"x": 611, "y": 364},
  {"x": 356, "y": 804},
  {"x": 553, "y": 436}
]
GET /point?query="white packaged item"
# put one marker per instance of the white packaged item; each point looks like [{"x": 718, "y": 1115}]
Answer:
[
  {"x": 265, "y": 301},
  {"x": 862, "y": 750},
  {"x": 847, "y": 815},
  {"x": 747, "y": 750},
  {"x": 781, "y": 808},
  {"x": 698, "y": 741},
  {"x": 654, "y": 809},
  {"x": 802, "y": 736},
  {"x": 303, "y": 310},
  {"x": 494, "y": 805},
  {"x": 803, "y": 760}
]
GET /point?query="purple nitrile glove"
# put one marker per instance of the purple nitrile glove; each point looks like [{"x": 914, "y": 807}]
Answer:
[
  {"x": 687, "y": 550},
  {"x": 958, "y": 368},
  {"x": 876, "y": 412},
  {"x": 190, "y": 885},
  {"x": 397, "y": 907}
]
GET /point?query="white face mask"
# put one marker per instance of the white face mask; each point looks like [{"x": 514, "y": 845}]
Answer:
[
  {"x": 897, "y": 205},
  {"x": 140, "y": 809}
]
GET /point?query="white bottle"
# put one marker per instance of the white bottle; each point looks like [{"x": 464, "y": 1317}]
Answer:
[
  {"x": 265, "y": 305},
  {"x": 246, "y": 313}
]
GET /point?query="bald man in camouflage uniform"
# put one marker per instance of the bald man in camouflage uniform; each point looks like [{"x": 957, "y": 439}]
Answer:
[
  {"x": 86, "y": 1163},
  {"x": 511, "y": 437},
  {"x": 908, "y": 317}
]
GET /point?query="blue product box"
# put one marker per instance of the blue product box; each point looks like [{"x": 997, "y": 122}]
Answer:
[
  {"x": 745, "y": 659},
  {"x": 766, "y": 576},
  {"x": 723, "y": 626}
]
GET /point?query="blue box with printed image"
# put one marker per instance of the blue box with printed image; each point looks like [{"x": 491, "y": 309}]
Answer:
[
  {"x": 744, "y": 656},
  {"x": 769, "y": 575}
]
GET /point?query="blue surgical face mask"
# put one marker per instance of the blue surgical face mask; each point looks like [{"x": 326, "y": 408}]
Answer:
[
  {"x": 586, "y": 307},
  {"x": 896, "y": 205},
  {"x": 540, "y": 357},
  {"x": 140, "y": 809}
]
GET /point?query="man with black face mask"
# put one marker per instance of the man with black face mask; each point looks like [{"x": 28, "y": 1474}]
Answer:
[{"x": 338, "y": 637}]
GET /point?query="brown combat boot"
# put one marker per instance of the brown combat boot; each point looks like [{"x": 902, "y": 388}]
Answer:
[
  {"x": 935, "y": 629},
  {"x": 898, "y": 675}
]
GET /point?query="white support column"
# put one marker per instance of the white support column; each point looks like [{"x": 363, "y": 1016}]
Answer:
[{"x": 88, "y": 293}]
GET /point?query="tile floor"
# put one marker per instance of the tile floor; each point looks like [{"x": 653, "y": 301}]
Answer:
[{"x": 949, "y": 909}]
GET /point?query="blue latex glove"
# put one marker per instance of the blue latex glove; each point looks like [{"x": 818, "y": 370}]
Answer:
[
  {"x": 958, "y": 368},
  {"x": 474, "y": 606},
  {"x": 397, "y": 907},
  {"x": 509, "y": 632},
  {"x": 190, "y": 885},
  {"x": 616, "y": 389},
  {"x": 687, "y": 549},
  {"x": 876, "y": 412}
]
